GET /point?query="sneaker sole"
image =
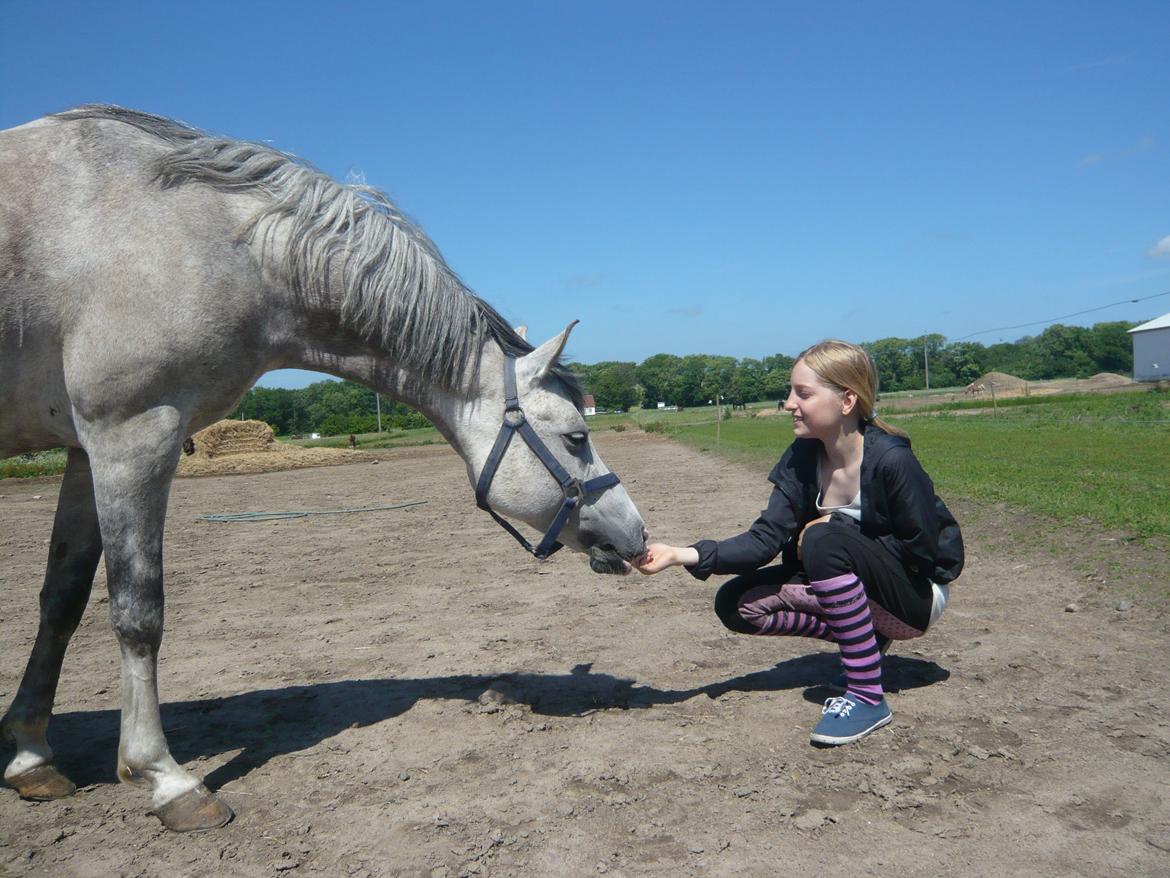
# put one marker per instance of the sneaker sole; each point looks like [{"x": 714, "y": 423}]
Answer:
[{"x": 834, "y": 740}]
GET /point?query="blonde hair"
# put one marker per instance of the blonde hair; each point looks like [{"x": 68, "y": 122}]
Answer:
[{"x": 845, "y": 366}]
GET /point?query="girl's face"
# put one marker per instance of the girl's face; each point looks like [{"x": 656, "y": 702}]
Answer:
[{"x": 818, "y": 410}]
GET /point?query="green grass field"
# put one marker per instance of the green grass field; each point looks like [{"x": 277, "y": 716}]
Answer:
[
  {"x": 385, "y": 439},
  {"x": 1099, "y": 459},
  {"x": 39, "y": 463},
  {"x": 1079, "y": 458}
]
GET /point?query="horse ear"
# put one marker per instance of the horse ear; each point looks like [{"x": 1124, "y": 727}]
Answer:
[
  {"x": 522, "y": 331},
  {"x": 537, "y": 364}
]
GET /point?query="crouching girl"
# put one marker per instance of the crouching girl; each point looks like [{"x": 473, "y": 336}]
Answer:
[{"x": 867, "y": 549}]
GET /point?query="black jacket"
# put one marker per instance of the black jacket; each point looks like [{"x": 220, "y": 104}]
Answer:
[{"x": 899, "y": 510}]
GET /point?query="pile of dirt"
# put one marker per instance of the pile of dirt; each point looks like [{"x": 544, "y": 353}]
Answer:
[
  {"x": 1105, "y": 380},
  {"x": 234, "y": 447},
  {"x": 1002, "y": 381}
]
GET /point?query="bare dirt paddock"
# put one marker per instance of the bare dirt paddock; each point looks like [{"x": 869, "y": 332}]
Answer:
[{"x": 406, "y": 693}]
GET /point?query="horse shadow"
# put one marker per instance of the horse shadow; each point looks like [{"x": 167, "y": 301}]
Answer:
[{"x": 267, "y": 723}]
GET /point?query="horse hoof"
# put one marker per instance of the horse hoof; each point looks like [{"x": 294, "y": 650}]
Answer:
[
  {"x": 42, "y": 783},
  {"x": 196, "y": 810}
]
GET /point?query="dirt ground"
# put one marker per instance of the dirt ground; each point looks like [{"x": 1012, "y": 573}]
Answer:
[
  {"x": 1000, "y": 385},
  {"x": 406, "y": 693}
]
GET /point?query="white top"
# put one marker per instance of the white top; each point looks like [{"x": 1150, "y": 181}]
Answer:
[{"x": 852, "y": 508}]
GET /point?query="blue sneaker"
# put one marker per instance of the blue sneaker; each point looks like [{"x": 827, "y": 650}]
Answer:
[
  {"x": 840, "y": 682},
  {"x": 846, "y": 719}
]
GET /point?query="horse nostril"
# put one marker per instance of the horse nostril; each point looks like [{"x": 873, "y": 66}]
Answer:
[{"x": 607, "y": 547}]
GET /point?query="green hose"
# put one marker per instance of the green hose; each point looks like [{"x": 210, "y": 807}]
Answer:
[{"x": 273, "y": 516}]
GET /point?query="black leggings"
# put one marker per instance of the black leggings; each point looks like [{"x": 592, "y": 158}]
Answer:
[{"x": 833, "y": 549}]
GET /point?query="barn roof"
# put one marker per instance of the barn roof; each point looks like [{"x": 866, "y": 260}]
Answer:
[
  {"x": 588, "y": 401},
  {"x": 1162, "y": 322}
]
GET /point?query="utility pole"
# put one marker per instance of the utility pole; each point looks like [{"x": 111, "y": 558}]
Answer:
[
  {"x": 718, "y": 417},
  {"x": 926, "y": 357},
  {"x": 378, "y": 403}
]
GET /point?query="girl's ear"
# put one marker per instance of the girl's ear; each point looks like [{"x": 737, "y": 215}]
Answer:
[{"x": 848, "y": 402}]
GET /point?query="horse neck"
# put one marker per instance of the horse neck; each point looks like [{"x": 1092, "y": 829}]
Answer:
[
  {"x": 356, "y": 359},
  {"x": 314, "y": 335}
]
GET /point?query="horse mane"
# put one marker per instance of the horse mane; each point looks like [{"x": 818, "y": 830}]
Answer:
[{"x": 397, "y": 290}]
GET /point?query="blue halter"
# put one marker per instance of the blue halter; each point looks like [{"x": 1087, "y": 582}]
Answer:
[{"x": 574, "y": 490}]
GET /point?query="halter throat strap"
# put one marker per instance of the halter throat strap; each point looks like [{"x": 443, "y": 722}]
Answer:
[{"x": 572, "y": 489}]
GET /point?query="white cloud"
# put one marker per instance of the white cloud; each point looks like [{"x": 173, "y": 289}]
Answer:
[{"x": 1162, "y": 248}]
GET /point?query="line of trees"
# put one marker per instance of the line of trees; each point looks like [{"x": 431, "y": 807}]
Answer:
[
  {"x": 333, "y": 407},
  {"x": 1058, "y": 352},
  {"x": 326, "y": 407}
]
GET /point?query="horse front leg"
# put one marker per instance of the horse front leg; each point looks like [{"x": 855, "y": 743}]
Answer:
[
  {"x": 133, "y": 466},
  {"x": 74, "y": 551}
]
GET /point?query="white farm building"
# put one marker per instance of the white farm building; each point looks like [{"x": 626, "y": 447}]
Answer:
[{"x": 1151, "y": 349}]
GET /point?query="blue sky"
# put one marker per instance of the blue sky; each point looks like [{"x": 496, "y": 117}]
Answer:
[{"x": 735, "y": 178}]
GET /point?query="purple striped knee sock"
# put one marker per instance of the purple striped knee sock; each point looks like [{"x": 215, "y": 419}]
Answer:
[
  {"x": 791, "y": 611},
  {"x": 794, "y": 623},
  {"x": 846, "y": 610}
]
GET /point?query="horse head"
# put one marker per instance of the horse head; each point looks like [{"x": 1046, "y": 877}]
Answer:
[{"x": 550, "y": 472}]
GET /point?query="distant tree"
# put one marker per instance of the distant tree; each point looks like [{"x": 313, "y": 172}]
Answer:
[
  {"x": 615, "y": 385},
  {"x": 747, "y": 381},
  {"x": 1014, "y": 358},
  {"x": 689, "y": 387},
  {"x": 1111, "y": 347},
  {"x": 960, "y": 363},
  {"x": 658, "y": 376},
  {"x": 777, "y": 376},
  {"x": 1062, "y": 352},
  {"x": 718, "y": 378},
  {"x": 895, "y": 363}
]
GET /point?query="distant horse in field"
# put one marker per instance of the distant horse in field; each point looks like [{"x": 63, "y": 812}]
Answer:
[{"x": 149, "y": 274}]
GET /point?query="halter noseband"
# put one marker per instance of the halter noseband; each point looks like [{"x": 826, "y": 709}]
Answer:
[{"x": 574, "y": 490}]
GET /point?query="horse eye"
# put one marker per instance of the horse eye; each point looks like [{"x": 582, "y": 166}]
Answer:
[{"x": 576, "y": 438}]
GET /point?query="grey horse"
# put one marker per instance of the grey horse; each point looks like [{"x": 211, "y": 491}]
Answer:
[{"x": 149, "y": 274}]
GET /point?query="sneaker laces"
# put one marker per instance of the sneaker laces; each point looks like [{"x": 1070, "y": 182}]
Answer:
[{"x": 839, "y": 705}]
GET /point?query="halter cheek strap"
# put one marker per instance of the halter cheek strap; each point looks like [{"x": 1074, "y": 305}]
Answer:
[{"x": 574, "y": 490}]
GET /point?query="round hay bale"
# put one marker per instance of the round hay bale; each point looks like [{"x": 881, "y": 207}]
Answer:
[{"x": 225, "y": 438}]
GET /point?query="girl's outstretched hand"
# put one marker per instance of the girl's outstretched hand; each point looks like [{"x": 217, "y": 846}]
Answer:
[{"x": 659, "y": 556}]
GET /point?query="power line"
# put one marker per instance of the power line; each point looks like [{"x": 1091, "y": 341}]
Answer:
[{"x": 1061, "y": 317}]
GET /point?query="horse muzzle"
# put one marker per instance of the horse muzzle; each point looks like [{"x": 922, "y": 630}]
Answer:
[{"x": 606, "y": 558}]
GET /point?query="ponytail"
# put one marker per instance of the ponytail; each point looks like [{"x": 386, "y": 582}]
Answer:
[{"x": 888, "y": 427}]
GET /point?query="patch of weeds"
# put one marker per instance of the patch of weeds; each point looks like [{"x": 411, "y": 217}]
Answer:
[{"x": 36, "y": 463}]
